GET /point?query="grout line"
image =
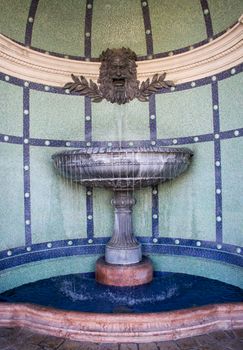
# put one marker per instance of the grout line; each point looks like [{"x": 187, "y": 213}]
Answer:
[
  {"x": 207, "y": 18},
  {"x": 87, "y": 29},
  {"x": 217, "y": 163},
  {"x": 26, "y": 167},
  {"x": 30, "y": 22},
  {"x": 147, "y": 28}
]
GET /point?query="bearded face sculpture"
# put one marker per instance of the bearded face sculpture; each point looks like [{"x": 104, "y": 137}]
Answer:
[
  {"x": 118, "y": 75},
  {"x": 117, "y": 82}
]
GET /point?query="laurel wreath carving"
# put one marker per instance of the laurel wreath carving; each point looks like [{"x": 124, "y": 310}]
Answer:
[
  {"x": 84, "y": 88},
  {"x": 157, "y": 83},
  {"x": 88, "y": 88}
]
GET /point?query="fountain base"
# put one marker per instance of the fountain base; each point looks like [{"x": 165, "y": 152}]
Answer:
[{"x": 124, "y": 275}]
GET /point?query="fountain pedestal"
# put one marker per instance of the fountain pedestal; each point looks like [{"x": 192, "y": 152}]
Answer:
[
  {"x": 123, "y": 248},
  {"x": 123, "y": 264}
]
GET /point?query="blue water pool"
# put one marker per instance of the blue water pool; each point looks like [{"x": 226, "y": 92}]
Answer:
[{"x": 168, "y": 291}]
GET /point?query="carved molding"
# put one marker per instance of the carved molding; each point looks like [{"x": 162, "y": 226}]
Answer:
[
  {"x": 212, "y": 58},
  {"x": 122, "y": 328}
]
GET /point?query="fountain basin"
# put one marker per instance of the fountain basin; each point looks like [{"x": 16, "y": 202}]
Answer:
[
  {"x": 76, "y": 307},
  {"x": 122, "y": 168}
]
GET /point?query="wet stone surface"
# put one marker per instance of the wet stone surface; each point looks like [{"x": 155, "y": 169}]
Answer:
[{"x": 22, "y": 339}]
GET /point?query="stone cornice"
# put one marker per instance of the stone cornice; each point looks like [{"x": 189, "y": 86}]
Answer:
[{"x": 214, "y": 57}]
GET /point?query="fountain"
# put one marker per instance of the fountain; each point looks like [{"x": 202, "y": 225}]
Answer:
[
  {"x": 99, "y": 315},
  {"x": 123, "y": 170}
]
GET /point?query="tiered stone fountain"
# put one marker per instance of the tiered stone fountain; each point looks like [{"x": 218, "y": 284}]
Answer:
[{"x": 123, "y": 170}]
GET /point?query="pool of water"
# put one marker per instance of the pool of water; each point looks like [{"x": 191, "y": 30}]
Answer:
[{"x": 167, "y": 291}]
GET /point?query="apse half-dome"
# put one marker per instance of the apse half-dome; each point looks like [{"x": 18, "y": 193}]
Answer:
[{"x": 85, "y": 28}]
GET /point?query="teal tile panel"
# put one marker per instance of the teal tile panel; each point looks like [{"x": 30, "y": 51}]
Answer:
[
  {"x": 200, "y": 267},
  {"x": 187, "y": 204},
  {"x": 142, "y": 212},
  {"x": 184, "y": 113},
  {"x": 103, "y": 212},
  {"x": 32, "y": 272},
  {"x": 176, "y": 24},
  {"x": 232, "y": 190},
  {"x": 116, "y": 24},
  {"x": 39, "y": 270},
  {"x": 58, "y": 207},
  {"x": 12, "y": 233},
  {"x": 113, "y": 122},
  {"x": 224, "y": 13},
  {"x": 59, "y": 26},
  {"x": 11, "y": 109},
  {"x": 13, "y": 18},
  {"x": 54, "y": 116},
  {"x": 231, "y": 102}
]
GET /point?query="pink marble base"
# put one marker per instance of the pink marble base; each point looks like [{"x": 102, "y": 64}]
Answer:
[
  {"x": 115, "y": 328},
  {"x": 124, "y": 275}
]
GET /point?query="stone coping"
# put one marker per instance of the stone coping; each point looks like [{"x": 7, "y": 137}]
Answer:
[{"x": 114, "y": 328}]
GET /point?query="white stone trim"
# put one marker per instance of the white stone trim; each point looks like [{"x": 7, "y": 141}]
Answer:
[{"x": 212, "y": 58}]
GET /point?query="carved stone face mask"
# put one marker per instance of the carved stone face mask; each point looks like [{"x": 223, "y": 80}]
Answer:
[
  {"x": 118, "y": 75},
  {"x": 117, "y": 82}
]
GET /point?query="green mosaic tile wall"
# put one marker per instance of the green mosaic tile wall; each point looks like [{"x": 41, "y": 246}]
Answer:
[
  {"x": 232, "y": 162},
  {"x": 11, "y": 98},
  {"x": 125, "y": 122},
  {"x": 118, "y": 23},
  {"x": 11, "y": 198},
  {"x": 224, "y": 13},
  {"x": 58, "y": 206},
  {"x": 13, "y": 17},
  {"x": 176, "y": 23},
  {"x": 187, "y": 203},
  {"x": 59, "y": 26}
]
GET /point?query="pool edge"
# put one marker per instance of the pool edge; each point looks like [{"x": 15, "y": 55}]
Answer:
[{"x": 118, "y": 328}]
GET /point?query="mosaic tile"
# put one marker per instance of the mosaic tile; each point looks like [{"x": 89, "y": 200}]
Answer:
[
  {"x": 58, "y": 206},
  {"x": 55, "y": 25},
  {"x": 176, "y": 24},
  {"x": 56, "y": 117},
  {"x": 224, "y": 13},
  {"x": 186, "y": 204},
  {"x": 124, "y": 23},
  {"x": 125, "y": 122},
  {"x": 184, "y": 113},
  {"x": 11, "y": 199},
  {"x": 13, "y": 18},
  {"x": 11, "y": 110},
  {"x": 232, "y": 164},
  {"x": 231, "y": 102}
]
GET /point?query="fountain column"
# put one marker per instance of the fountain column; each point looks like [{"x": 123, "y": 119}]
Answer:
[
  {"x": 123, "y": 248},
  {"x": 123, "y": 264}
]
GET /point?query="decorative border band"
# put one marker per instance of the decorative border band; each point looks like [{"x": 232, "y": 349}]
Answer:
[
  {"x": 212, "y": 58},
  {"x": 226, "y": 253}
]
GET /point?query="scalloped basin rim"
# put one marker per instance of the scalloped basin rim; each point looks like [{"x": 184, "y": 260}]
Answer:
[
  {"x": 149, "y": 149},
  {"x": 122, "y": 168}
]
